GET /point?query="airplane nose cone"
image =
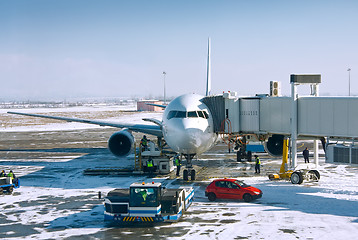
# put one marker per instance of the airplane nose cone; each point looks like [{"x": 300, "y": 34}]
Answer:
[
  {"x": 188, "y": 139},
  {"x": 188, "y": 136},
  {"x": 193, "y": 137}
]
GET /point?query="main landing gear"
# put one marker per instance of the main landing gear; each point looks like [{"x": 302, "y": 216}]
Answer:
[{"x": 189, "y": 170}]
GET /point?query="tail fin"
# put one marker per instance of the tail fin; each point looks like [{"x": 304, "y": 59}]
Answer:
[{"x": 208, "y": 72}]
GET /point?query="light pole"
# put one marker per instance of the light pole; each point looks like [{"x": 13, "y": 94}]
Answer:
[
  {"x": 349, "y": 81},
  {"x": 164, "y": 73}
]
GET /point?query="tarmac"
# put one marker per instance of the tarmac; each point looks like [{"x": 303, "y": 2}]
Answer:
[{"x": 57, "y": 160}]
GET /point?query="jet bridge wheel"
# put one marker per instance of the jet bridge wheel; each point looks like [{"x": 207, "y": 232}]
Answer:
[
  {"x": 316, "y": 173},
  {"x": 316, "y": 176},
  {"x": 296, "y": 178},
  {"x": 238, "y": 156}
]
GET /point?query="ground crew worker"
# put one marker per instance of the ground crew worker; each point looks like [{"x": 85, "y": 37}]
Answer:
[
  {"x": 144, "y": 143},
  {"x": 11, "y": 174},
  {"x": 306, "y": 154},
  {"x": 144, "y": 194},
  {"x": 177, "y": 164},
  {"x": 150, "y": 165},
  {"x": 257, "y": 165},
  {"x": 3, "y": 174}
]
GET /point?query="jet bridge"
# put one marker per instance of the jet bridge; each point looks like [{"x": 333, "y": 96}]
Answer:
[{"x": 306, "y": 117}]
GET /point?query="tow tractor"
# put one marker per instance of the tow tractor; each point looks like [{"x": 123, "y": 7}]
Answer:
[
  {"x": 147, "y": 203},
  {"x": 296, "y": 176},
  {"x": 7, "y": 184}
]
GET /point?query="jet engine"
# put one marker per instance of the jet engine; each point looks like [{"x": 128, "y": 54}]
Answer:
[
  {"x": 274, "y": 145},
  {"x": 121, "y": 143}
]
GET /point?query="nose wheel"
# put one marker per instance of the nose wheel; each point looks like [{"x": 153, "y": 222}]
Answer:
[{"x": 189, "y": 170}]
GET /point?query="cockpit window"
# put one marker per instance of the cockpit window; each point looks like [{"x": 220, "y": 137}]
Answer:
[
  {"x": 191, "y": 114},
  {"x": 201, "y": 114},
  {"x": 171, "y": 114},
  {"x": 180, "y": 114}
]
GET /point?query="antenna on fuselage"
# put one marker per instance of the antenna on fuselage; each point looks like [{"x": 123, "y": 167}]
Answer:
[{"x": 208, "y": 72}]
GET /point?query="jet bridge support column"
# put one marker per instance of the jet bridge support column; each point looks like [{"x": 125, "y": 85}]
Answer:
[
  {"x": 315, "y": 92},
  {"x": 294, "y": 97},
  {"x": 313, "y": 80}
]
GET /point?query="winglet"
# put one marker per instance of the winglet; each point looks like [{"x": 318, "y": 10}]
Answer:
[{"x": 208, "y": 71}]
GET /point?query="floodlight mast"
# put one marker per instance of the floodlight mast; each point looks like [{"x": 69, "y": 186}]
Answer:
[
  {"x": 349, "y": 81},
  {"x": 165, "y": 100},
  {"x": 208, "y": 71}
]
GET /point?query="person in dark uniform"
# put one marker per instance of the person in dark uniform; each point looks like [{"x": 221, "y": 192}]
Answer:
[
  {"x": 144, "y": 143},
  {"x": 306, "y": 154},
  {"x": 258, "y": 164}
]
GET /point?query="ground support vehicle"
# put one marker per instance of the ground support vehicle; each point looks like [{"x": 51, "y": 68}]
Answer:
[
  {"x": 7, "y": 184},
  {"x": 229, "y": 188},
  {"x": 246, "y": 151},
  {"x": 296, "y": 176},
  {"x": 162, "y": 163},
  {"x": 147, "y": 203}
]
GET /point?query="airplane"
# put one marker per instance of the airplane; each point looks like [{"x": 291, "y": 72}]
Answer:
[{"x": 187, "y": 127}]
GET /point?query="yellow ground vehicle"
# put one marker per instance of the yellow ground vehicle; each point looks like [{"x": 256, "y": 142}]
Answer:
[{"x": 296, "y": 176}]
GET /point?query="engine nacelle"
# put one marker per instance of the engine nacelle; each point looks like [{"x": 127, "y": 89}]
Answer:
[
  {"x": 121, "y": 143},
  {"x": 274, "y": 145}
]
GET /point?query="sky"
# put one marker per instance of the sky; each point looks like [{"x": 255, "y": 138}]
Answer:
[{"x": 86, "y": 49}]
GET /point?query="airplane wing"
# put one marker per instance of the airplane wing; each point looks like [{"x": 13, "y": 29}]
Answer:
[
  {"x": 155, "y": 121},
  {"x": 155, "y": 130}
]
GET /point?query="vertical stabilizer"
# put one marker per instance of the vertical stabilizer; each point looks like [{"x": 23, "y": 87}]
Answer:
[{"x": 208, "y": 71}]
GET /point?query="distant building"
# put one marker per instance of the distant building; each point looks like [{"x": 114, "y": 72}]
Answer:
[{"x": 142, "y": 105}]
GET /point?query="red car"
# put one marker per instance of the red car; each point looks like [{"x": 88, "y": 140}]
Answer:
[{"x": 231, "y": 189}]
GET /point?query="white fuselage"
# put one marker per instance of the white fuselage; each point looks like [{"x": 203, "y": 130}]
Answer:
[{"x": 188, "y": 125}]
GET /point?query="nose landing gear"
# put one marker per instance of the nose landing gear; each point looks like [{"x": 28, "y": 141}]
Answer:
[{"x": 189, "y": 170}]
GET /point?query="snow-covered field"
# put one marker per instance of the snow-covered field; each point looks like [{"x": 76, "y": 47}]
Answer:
[{"x": 56, "y": 201}]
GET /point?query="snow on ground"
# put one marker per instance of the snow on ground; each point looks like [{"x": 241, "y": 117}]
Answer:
[
  {"x": 56, "y": 201},
  {"x": 323, "y": 210}
]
